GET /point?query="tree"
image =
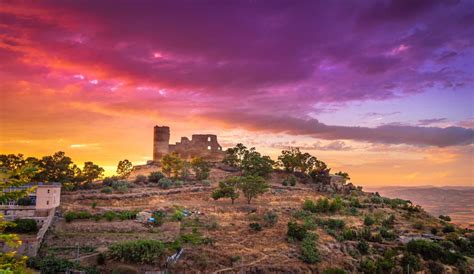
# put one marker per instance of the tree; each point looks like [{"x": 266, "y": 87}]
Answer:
[
  {"x": 185, "y": 171},
  {"x": 294, "y": 160},
  {"x": 343, "y": 174},
  {"x": 171, "y": 164},
  {"x": 255, "y": 164},
  {"x": 124, "y": 168},
  {"x": 91, "y": 172},
  {"x": 234, "y": 156},
  {"x": 227, "y": 189},
  {"x": 57, "y": 168},
  {"x": 14, "y": 180},
  {"x": 252, "y": 186},
  {"x": 201, "y": 168}
]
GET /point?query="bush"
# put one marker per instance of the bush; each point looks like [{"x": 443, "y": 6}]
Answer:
[
  {"x": 121, "y": 186},
  {"x": 368, "y": 221},
  {"x": 255, "y": 226},
  {"x": 165, "y": 183},
  {"x": 127, "y": 214},
  {"x": 445, "y": 218},
  {"x": 155, "y": 177},
  {"x": 270, "y": 218},
  {"x": 334, "y": 271},
  {"x": 158, "y": 217},
  {"x": 335, "y": 224},
  {"x": 388, "y": 235},
  {"x": 367, "y": 266},
  {"x": 448, "y": 229},
  {"x": 433, "y": 251},
  {"x": 139, "y": 251},
  {"x": 363, "y": 247},
  {"x": 23, "y": 226},
  {"x": 52, "y": 264},
  {"x": 435, "y": 267},
  {"x": 110, "y": 215},
  {"x": 310, "y": 206},
  {"x": 178, "y": 215},
  {"x": 389, "y": 222},
  {"x": 290, "y": 180},
  {"x": 72, "y": 215},
  {"x": 106, "y": 190},
  {"x": 349, "y": 234},
  {"x": 296, "y": 232},
  {"x": 418, "y": 225},
  {"x": 140, "y": 179},
  {"x": 335, "y": 205},
  {"x": 434, "y": 231},
  {"x": 109, "y": 181},
  {"x": 411, "y": 261},
  {"x": 376, "y": 200},
  {"x": 309, "y": 250}
]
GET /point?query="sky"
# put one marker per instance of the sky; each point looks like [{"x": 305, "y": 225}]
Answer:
[{"x": 380, "y": 89}]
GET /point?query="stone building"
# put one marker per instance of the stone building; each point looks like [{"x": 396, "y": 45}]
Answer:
[{"x": 201, "y": 145}]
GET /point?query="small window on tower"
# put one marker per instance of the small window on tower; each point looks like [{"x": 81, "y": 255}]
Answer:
[
  {"x": 209, "y": 139},
  {"x": 209, "y": 147}
]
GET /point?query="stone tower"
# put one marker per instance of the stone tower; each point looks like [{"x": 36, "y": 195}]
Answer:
[{"x": 161, "y": 140}]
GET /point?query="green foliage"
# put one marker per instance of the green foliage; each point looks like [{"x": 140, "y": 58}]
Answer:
[
  {"x": 165, "y": 183},
  {"x": 411, "y": 261},
  {"x": 120, "y": 186},
  {"x": 124, "y": 168},
  {"x": 333, "y": 270},
  {"x": 22, "y": 226},
  {"x": 252, "y": 186},
  {"x": 363, "y": 247},
  {"x": 254, "y": 164},
  {"x": 389, "y": 222},
  {"x": 335, "y": 224},
  {"x": 227, "y": 189},
  {"x": 171, "y": 164},
  {"x": 289, "y": 180},
  {"x": 419, "y": 225},
  {"x": 310, "y": 206},
  {"x": 73, "y": 215},
  {"x": 201, "y": 168},
  {"x": 368, "y": 221},
  {"x": 106, "y": 190},
  {"x": 387, "y": 234},
  {"x": 433, "y": 251},
  {"x": 255, "y": 226},
  {"x": 270, "y": 218},
  {"x": 159, "y": 217},
  {"x": 91, "y": 172},
  {"x": 139, "y": 251},
  {"x": 367, "y": 266},
  {"x": 343, "y": 174},
  {"x": 448, "y": 228},
  {"x": 376, "y": 199},
  {"x": 309, "y": 251},
  {"x": 445, "y": 218},
  {"x": 335, "y": 205},
  {"x": 234, "y": 156},
  {"x": 349, "y": 234},
  {"x": 52, "y": 264},
  {"x": 155, "y": 177},
  {"x": 178, "y": 215},
  {"x": 296, "y": 232}
]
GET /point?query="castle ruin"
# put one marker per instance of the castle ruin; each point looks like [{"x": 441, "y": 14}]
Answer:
[{"x": 201, "y": 145}]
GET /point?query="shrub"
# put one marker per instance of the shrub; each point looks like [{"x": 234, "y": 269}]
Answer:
[
  {"x": 445, "y": 218},
  {"x": 201, "y": 168},
  {"x": 367, "y": 266},
  {"x": 109, "y": 181},
  {"x": 106, "y": 190},
  {"x": 178, "y": 215},
  {"x": 388, "y": 235},
  {"x": 140, "y": 179},
  {"x": 52, "y": 264},
  {"x": 309, "y": 250},
  {"x": 310, "y": 206},
  {"x": 349, "y": 234},
  {"x": 334, "y": 271},
  {"x": 335, "y": 223},
  {"x": 72, "y": 215},
  {"x": 206, "y": 182},
  {"x": 355, "y": 202},
  {"x": 23, "y": 226},
  {"x": 322, "y": 205},
  {"x": 110, "y": 215},
  {"x": 376, "y": 200},
  {"x": 335, "y": 205},
  {"x": 165, "y": 183},
  {"x": 363, "y": 247},
  {"x": 433, "y": 251},
  {"x": 368, "y": 221},
  {"x": 270, "y": 218},
  {"x": 290, "y": 180},
  {"x": 155, "y": 177},
  {"x": 127, "y": 215},
  {"x": 435, "y": 267},
  {"x": 434, "y": 231},
  {"x": 139, "y": 251},
  {"x": 255, "y": 226},
  {"x": 295, "y": 231},
  {"x": 158, "y": 217},
  {"x": 121, "y": 186},
  {"x": 448, "y": 229},
  {"x": 365, "y": 234},
  {"x": 389, "y": 222},
  {"x": 411, "y": 261}
]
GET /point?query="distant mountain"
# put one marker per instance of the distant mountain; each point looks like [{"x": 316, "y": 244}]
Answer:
[{"x": 455, "y": 201}]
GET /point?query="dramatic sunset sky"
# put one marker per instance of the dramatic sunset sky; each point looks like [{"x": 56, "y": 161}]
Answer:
[{"x": 380, "y": 89}]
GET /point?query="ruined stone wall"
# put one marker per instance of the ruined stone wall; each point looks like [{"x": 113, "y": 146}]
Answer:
[{"x": 161, "y": 140}]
